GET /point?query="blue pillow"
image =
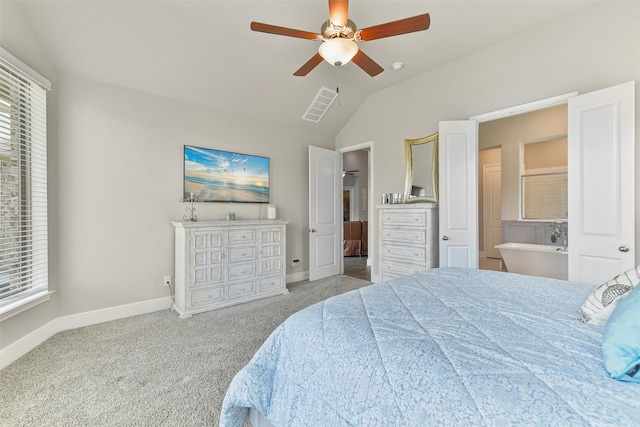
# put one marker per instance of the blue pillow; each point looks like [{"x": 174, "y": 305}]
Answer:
[{"x": 621, "y": 339}]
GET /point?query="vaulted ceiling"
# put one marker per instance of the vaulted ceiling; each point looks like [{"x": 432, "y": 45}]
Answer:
[{"x": 204, "y": 53}]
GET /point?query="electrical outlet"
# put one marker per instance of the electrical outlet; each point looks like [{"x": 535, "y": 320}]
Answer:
[
  {"x": 294, "y": 262},
  {"x": 167, "y": 281}
]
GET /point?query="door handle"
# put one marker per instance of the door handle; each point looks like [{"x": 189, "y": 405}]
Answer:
[
  {"x": 623, "y": 248},
  {"x": 312, "y": 230},
  {"x": 445, "y": 237}
]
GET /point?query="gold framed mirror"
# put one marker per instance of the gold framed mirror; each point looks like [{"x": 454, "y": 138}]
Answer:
[{"x": 421, "y": 181}]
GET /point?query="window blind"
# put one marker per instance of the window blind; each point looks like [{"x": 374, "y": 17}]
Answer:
[{"x": 23, "y": 185}]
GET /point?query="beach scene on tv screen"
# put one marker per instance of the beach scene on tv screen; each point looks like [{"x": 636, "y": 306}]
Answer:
[{"x": 222, "y": 176}]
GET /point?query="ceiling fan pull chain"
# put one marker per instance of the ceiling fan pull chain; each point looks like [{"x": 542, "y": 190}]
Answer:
[{"x": 338, "y": 85}]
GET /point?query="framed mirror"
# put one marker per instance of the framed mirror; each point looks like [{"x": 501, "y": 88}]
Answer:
[{"x": 421, "y": 181}]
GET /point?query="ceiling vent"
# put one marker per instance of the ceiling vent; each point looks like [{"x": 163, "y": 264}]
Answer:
[{"x": 320, "y": 104}]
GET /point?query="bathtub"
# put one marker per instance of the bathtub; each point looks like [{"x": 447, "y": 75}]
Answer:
[{"x": 535, "y": 260}]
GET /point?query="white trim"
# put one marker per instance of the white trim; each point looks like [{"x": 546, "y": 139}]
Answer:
[
  {"x": 297, "y": 277},
  {"x": 524, "y": 108},
  {"x": 19, "y": 348},
  {"x": 27, "y": 71},
  {"x": 23, "y": 304}
]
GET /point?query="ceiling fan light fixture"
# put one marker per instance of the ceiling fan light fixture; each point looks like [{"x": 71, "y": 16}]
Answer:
[{"x": 338, "y": 51}]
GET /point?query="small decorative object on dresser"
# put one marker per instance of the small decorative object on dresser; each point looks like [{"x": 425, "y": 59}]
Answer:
[
  {"x": 408, "y": 239},
  {"x": 223, "y": 263}
]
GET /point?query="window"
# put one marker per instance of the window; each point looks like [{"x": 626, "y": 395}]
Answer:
[{"x": 23, "y": 187}]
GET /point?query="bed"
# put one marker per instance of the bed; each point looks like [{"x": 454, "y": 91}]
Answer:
[{"x": 446, "y": 346}]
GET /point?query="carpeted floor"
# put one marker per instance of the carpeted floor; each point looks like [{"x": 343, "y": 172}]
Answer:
[{"x": 150, "y": 370}]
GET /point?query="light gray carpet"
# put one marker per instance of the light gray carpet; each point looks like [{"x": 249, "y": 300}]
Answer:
[{"x": 150, "y": 370}]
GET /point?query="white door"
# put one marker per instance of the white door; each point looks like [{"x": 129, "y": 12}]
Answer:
[
  {"x": 325, "y": 213},
  {"x": 492, "y": 204},
  {"x": 458, "y": 181},
  {"x": 601, "y": 184}
]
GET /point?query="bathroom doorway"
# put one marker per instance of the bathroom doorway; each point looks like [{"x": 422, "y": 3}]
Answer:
[{"x": 500, "y": 162}]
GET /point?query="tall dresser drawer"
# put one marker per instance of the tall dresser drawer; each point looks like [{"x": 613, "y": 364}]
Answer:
[
  {"x": 414, "y": 237},
  {"x": 395, "y": 268},
  {"x": 405, "y": 253},
  {"x": 404, "y": 218}
]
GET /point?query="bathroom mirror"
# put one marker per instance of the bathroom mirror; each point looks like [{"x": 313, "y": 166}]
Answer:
[{"x": 421, "y": 181}]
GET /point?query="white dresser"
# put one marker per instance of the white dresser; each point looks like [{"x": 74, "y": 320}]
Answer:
[
  {"x": 222, "y": 263},
  {"x": 408, "y": 238}
]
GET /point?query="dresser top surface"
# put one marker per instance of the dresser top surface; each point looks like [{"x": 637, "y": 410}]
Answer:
[
  {"x": 408, "y": 206},
  {"x": 235, "y": 223}
]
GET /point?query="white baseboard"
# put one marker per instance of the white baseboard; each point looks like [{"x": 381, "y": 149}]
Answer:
[
  {"x": 19, "y": 348},
  {"x": 297, "y": 277}
]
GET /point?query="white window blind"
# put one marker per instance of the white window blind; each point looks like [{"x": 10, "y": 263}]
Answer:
[{"x": 23, "y": 184}]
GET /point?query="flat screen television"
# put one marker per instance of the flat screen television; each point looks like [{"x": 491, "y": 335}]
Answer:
[{"x": 223, "y": 176}]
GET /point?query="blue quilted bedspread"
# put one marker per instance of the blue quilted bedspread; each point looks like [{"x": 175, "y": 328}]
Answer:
[{"x": 443, "y": 347}]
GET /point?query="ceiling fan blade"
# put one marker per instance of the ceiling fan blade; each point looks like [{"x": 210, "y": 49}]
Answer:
[
  {"x": 395, "y": 28},
  {"x": 338, "y": 12},
  {"x": 283, "y": 31},
  {"x": 309, "y": 65},
  {"x": 367, "y": 64}
]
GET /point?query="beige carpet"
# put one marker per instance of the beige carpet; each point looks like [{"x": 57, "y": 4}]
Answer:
[{"x": 150, "y": 370}]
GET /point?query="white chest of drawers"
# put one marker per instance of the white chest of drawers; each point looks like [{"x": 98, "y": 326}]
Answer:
[
  {"x": 223, "y": 263},
  {"x": 408, "y": 239}
]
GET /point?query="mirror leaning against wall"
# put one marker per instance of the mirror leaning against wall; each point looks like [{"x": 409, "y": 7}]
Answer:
[{"x": 421, "y": 181}]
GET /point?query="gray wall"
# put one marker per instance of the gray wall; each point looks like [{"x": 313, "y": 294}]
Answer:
[{"x": 593, "y": 49}]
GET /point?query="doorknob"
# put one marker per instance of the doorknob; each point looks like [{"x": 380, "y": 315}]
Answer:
[
  {"x": 312, "y": 230},
  {"x": 624, "y": 248},
  {"x": 445, "y": 237}
]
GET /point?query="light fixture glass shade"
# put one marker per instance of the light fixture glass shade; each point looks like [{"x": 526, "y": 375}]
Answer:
[{"x": 338, "y": 51}]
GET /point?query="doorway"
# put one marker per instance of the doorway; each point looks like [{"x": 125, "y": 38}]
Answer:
[
  {"x": 490, "y": 208},
  {"x": 356, "y": 227},
  {"x": 500, "y": 159}
]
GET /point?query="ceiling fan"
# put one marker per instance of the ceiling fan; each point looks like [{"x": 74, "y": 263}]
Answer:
[
  {"x": 351, "y": 172},
  {"x": 340, "y": 37}
]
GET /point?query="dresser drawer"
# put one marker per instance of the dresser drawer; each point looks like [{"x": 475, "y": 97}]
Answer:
[
  {"x": 418, "y": 255},
  {"x": 404, "y": 218},
  {"x": 242, "y": 254},
  {"x": 409, "y": 237},
  {"x": 269, "y": 284},
  {"x": 238, "y": 290},
  {"x": 394, "y": 268},
  {"x": 240, "y": 237},
  {"x": 207, "y": 296},
  {"x": 240, "y": 271}
]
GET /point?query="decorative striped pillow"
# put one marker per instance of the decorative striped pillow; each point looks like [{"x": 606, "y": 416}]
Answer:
[{"x": 601, "y": 302}]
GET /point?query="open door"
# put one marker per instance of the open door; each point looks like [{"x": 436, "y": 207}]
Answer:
[
  {"x": 325, "y": 213},
  {"x": 601, "y": 184},
  {"x": 458, "y": 177}
]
